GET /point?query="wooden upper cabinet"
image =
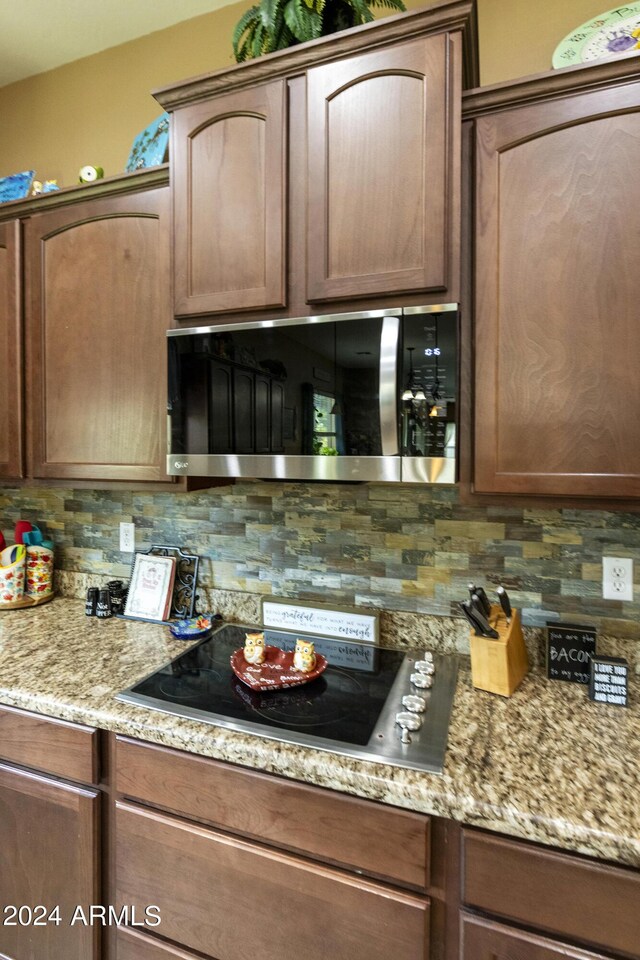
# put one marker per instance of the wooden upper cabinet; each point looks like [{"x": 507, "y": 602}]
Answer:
[
  {"x": 229, "y": 179},
  {"x": 11, "y": 352},
  {"x": 98, "y": 307},
  {"x": 557, "y": 403},
  {"x": 381, "y": 190}
]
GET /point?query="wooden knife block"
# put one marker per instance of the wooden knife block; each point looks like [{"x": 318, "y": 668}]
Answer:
[{"x": 499, "y": 666}]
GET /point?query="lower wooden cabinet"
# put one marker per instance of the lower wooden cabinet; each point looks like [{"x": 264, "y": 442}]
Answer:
[
  {"x": 48, "y": 859},
  {"x": 231, "y": 899},
  {"x": 485, "y": 940},
  {"x": 572, "y": 897}
]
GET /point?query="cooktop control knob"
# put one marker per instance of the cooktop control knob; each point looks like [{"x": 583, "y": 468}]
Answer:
[
  {"x": 425, "y": 666},
  {"x": 408, "y": 721},
  {"x": 414, "y": 704},
  {"x": 421, "y": 680}
]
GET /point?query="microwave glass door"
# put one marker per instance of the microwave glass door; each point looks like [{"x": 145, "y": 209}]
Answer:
[{"x": 310, "y": 389}]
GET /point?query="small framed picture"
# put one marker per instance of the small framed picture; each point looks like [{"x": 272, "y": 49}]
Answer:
[{"x": 151, "y": 588}]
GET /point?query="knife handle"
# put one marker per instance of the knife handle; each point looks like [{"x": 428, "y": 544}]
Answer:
[
  {"x": 482, "y": 622},
  {"x": 471, "y": 621},
  {"x": 505, "y": 603},
  {"x": 484, "y": 600}
]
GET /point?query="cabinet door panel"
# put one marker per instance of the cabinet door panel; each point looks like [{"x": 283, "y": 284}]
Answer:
[
  {"x": 98, "y": 302},
  {"x": 486, "y": 940},
  {"x": 48, "y": 856},
  {"x": 229, "y": 207},
  {"x": 557, "y": 350},
  {"x": 11, "y": 352},
  {"x": 231, "y": 899},
  {"x": 379, "y": 172}
]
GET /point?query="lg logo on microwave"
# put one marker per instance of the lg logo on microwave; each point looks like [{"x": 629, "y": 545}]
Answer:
[{"x": 181, "y": 464}]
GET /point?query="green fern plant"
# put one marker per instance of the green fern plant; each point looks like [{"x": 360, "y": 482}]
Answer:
[{"x": 277, "y": 24}]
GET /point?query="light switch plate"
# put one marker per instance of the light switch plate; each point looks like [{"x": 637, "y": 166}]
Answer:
[
  {"x": 617, "y": 578},
  {"x": 127, "y": 537}
]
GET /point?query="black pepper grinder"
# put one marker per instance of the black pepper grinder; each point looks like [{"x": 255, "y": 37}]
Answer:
[
  {"x": 91, "y": 603},
  {"x": 117, "y": 594},
  {"x": 103, "y": 609}
]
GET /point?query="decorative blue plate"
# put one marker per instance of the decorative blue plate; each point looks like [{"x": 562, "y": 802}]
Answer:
[
  {"x": 150, "y": 148},
  {"x": 193, "y": 627},
  {"x": 16, "y": 186}
]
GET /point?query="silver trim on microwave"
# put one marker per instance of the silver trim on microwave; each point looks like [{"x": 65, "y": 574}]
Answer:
[{"x": 296, "y": 321}]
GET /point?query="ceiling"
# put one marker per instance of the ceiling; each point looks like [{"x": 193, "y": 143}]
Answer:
[{"x": 38, "y": 35}]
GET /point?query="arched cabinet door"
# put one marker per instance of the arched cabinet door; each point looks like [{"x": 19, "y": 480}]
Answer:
[
  {"x": 557, "y": 228},
  {"x": 97, "y": 311},
  {"x": 229, "y": 168},
  {"x": 11, "y": 351},
  {"x": 381, "y": 189}
]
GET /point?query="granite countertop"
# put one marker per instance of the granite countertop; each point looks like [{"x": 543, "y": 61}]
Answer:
[{"x": 546, "y": 764}]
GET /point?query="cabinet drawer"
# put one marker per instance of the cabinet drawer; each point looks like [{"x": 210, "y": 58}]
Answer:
[
  {"x": 580, "y": 899},
  {"x": 132, "y": 945},
  {"x": 232, "y": 899},
  {"x": 356, "y": 834},
  {"x": 54, "y": 746},
  {"x": 486, "y": 940}
]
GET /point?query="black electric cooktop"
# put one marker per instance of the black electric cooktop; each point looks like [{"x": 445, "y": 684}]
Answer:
[{"x": 350, "y": 709}]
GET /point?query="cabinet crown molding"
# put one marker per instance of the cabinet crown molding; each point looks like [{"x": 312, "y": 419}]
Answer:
[{"x": 438, "y": 17}]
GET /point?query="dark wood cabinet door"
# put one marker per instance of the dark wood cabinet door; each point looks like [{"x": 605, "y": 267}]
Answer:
[
  {"x": 380, "y": 184},
  {"x": 11, "y": 351},
  {"x": 485, "y": 940},
  {"x": 231, "y": 899},
  {"x": 48, "y": 857},
  {"x": 557, "y": 404},
  {"x": 229, "y": 180},
  {"x": 98, "y": 307}
]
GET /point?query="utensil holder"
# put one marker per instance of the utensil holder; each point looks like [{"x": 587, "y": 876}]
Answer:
[{"x": 499, "y": 666}]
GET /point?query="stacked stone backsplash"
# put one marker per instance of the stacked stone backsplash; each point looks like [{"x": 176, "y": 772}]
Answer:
[{"x": 402, "y": 548}]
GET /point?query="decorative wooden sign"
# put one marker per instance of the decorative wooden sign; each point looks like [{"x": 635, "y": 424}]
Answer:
[
  {"x": 307, "y": 618},
  {"x": 609, "y": 680},
  {"x": 570, "y": 648}
]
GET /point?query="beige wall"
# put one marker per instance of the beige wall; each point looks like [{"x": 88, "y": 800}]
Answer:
[{"x": 89, "y": 111}]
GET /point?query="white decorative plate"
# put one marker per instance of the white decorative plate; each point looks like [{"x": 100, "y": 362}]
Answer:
[{"x": 607, "y": 36}]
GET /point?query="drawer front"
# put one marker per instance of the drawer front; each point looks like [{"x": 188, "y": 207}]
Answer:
[
  {"x": 485, "y": 940},
  {"x": 356, "y": 834},
  {"x": 131, "y": 945},
  {"x": 231, "y": 899},
  {"x": 579, "y": 899},
  {"x": 53, "y": 746}
]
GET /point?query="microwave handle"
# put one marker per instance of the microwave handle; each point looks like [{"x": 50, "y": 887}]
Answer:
[{"x": 388, "y": 386}]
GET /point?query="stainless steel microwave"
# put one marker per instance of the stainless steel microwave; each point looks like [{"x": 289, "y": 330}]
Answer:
[{"x": 359, "y": 396}]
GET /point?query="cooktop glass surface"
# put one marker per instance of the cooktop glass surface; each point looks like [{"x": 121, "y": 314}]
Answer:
[
  {"x": 350, "y": 709},
  {"x": 342, "y": 705}
]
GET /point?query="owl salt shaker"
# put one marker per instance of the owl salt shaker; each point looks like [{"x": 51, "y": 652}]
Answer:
[
  {"x": 304, "y": 658},
  {"x": 254, "y": 648}
]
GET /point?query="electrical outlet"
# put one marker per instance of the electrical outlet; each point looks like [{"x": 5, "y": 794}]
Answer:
[
  {"x": 127, "y": 537},
  {"x": 617, "y": 578}
]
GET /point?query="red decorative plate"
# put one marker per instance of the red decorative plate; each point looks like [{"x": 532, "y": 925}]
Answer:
[{"x": 276, "y": 672}]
